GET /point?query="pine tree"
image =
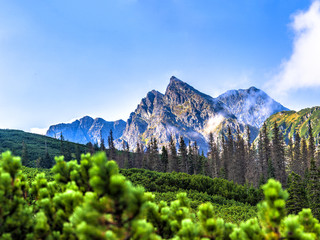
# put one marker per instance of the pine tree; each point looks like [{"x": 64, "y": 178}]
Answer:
[
  {"x": 78, "y": 154},
  {"x": 46, "y": 161},
  {"x": 241, "y": 161},
  {"x": 183, "y": 155},
  {"x": 190, "y": 169},
  {"x": 230, "y": 156},
  {"x": 90, "y": 148},
  {"x": 304, "y": 156},
  {"x": 213, "y": 157},
  {"x": 102, "y": 146},
  {"x": 223, "y": 171},
  {"x": 129, "y": 156},
  {"x": 261, "y": 164},
  {"x": 173, "y": 157},
  {"x": 25, "y": 155},
  {"x": 290, "y": 153},
  {"x": 311, "y": 145},
  {"x": 297, "y": 195},
  {"x": 112, "y": 149},
  {"x": 278, "y": 155},
  {"x": 139, "y": 156},
  {"x": 155, "y": 155},
  {"x": 296, "y": 165},
  {"x": 313, "y": 189},
  {"x": 266, "y": 151},
  {"x": 197, "y": 159},
  {"x": 251, "y": 173},
  {"x": 67, "y": 152},
  {"x": 62, "y": 146},
  {"x": 164, "y": 159}
]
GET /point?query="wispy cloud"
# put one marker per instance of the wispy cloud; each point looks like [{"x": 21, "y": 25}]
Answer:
[
  {"x": 41, "y": 131},
  {"x": 302, "y": 69}
]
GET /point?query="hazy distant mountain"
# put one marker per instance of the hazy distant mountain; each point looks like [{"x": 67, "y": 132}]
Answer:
[
  {"x": 181, "y": 111},
  {"x": 87, "y": 130},
  {"x": 251, "y": 106}
]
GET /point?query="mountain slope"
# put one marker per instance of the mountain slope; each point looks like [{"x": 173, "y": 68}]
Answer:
[
  {"x": 291, "y": 122},
  {"x": 87, "y": 130},
  {"x": 36, "y": 144}
]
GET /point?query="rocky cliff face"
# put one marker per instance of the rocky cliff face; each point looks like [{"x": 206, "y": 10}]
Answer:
[
  {"x": 87, "y": 130},
  {"x": 181, "y": 111}
]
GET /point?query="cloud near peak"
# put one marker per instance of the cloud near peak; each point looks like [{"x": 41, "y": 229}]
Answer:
[{"x": 302, "y": 69}]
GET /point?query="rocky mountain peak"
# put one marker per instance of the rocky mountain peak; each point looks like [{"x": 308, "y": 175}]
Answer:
[
  {"x": 179, "y": 92},
  {"x": 253, "y": 89},
  {"x": 251, "y": 106}
]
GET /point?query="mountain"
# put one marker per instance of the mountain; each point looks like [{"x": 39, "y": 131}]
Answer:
[
  {"x": 184, "y": 111},
  {"x": 291, "y": 122},
  {"x": 87, "y": 130},
  {"x": 180, "y": 111},
  {"x": 251, "y": 106}
]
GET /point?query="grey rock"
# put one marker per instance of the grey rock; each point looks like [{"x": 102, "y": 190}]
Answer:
[{"x": 87, "y": 130}]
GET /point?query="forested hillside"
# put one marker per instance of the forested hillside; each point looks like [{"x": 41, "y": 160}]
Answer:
[
  {"x": 38, "y": 150},
  {"x": 91, "y": 200}
]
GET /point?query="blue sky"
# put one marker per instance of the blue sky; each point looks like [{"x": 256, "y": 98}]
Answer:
[{"x": 61, "y": 60}]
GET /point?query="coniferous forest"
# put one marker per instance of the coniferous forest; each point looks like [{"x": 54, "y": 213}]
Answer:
[{"x": 175, "y": 192}]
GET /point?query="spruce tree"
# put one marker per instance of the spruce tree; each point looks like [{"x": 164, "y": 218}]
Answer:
[
  {"x": 183, "y": 155},
  {"x": 173, "y": 157},
  {"x": 90, "y": 148},
  {"x": 25, "y": 155},
  {"x": 46, "y": 161},
  {"x": 223, "y": 171},
  {"x": 240, "y": 162},
  {"x": 213, "y": 157},
  {"x": 290, "y": 155},
  {"x": 164, "y": 159},
  {"x": 190, "y": 169},
  {"x": 139, "y": 156},
  {"x": 304, "y": 156},
  {"x": 230, "y": 156},
  {"x": 78, "y": 154},
  {"x": 197, "y": 160},
  {"x": 296, "y": 165},
  {"x": 155, "y": 155},
  {"x": 313, "y": 189},
  {"x": 112, "y": 149},
  {"x": 297, "y": 195},
  {"x": 266, "y": 151},
  {"x": 311, "y": 145},
  {"x": 278, "y": 155},
  {"x": 62, "y": 145},
  {"x": 261, "y": 165},
  {"x": 102, "y": 146}
]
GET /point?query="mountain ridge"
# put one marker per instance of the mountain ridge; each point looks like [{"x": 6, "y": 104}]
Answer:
[{"x": 181, "y": 111}]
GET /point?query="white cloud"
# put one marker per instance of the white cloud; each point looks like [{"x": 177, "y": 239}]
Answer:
[
  {"x": 302, "y": 69},
  {"x": 41, "y": 131}
]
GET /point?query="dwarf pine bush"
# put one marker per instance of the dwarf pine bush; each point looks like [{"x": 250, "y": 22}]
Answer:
[{"x": 91, "y": 200}]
